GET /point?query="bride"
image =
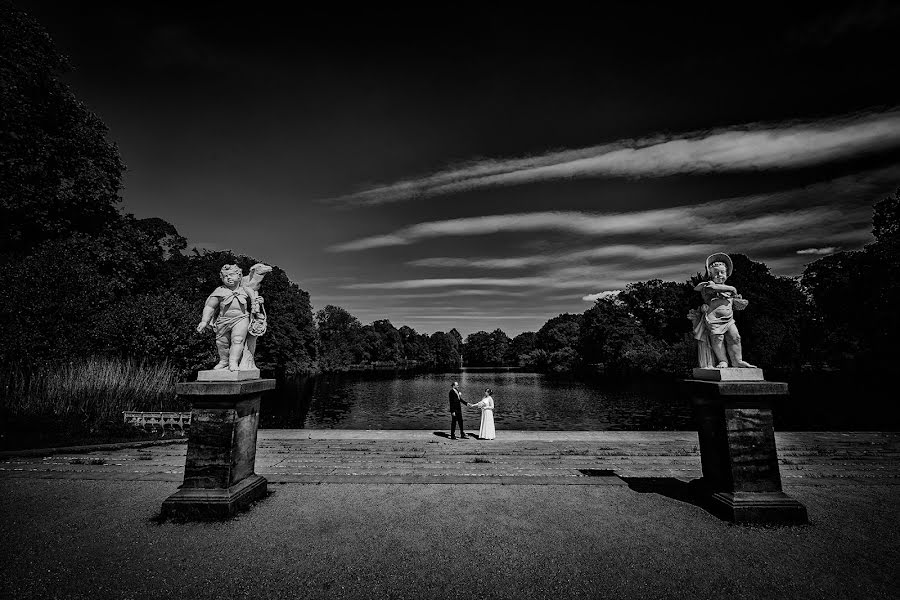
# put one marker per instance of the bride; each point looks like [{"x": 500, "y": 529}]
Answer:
[{"x": 487, "y": 416}]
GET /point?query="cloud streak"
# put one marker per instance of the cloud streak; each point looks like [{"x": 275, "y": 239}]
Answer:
[
  {"x": 751, "y": 147},
  {"x": 793, "y": 212}
]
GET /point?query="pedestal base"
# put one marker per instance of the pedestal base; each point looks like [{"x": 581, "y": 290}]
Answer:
[
  {"x": 219, "y": 477},
  {"x": 759, "y": 508},
  {"x": 201, "y": 503},
  {"x": 735, "y": 428},
  {"x": 728, "y": 374},
  {"x": 226, "y": 375}
]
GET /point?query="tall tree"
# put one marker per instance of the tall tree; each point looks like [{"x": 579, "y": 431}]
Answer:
[
  {"x": 559, "y": 340},
  {"x": 58, "y": 173},
  {"x": 445, "y": 349},
  {"x": 339, "y": 336},
  {"x": 856, "y": 295},
  {"x": 660, "y": 307}
]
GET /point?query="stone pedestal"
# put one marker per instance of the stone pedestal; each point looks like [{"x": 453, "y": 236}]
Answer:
[
  {"x": 226, "y": 375},
  {"x": 219, "y": 476},
  {"x": 737, "y": 450}
]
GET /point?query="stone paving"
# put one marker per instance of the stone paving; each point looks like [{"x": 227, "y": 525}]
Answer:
[{"x": 517, "y": 457}]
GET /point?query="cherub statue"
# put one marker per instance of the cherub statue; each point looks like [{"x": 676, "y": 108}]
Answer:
[
  {"x": 714, "y": 327},
  {"x": 236, "y": 313}
]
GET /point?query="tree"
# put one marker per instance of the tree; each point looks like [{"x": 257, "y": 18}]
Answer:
[
  {"x": 486, "y": 349},
  {"x": 886, "y": 220},
  {"x": 339, "y": 336},
  {"x": 415, "y": 346},
  {"x": 154, "y": 327},
  {"x": 390, "y": 347},
  {"x": 559, "y": 340},
  {"x": 660, "y": 307},
  {"x": 856, "y": 295},
  {"x": 445, "y": 349},
  {"x": 63, "y": 283},
  {"x": 58, "y": 173},
  {"x": 519, "y": 346}
]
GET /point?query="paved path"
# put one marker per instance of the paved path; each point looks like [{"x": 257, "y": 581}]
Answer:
[
  {"x": 560, "y": 458},
  {"x": 382, "y": 514}
]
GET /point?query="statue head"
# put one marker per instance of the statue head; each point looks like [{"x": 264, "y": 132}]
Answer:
[
  {"x": 231, "y": 275},
  {"x": 718, "y": 272},
  {"x": 720, "y": 261}
]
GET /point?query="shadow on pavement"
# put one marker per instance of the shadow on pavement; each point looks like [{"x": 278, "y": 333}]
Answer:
[{"x": 691, "y": 492}]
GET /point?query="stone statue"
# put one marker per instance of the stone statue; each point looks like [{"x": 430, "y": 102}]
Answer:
[
  {"x": 714, "y": 328},
  {"x": 236, "y": 313}
]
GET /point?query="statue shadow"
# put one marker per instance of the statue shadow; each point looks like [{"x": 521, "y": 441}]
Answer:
[{"x": 692, "y": 492}]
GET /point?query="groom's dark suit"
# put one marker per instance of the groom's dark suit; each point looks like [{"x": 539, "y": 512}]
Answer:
[{"x": 456, "y": 414}]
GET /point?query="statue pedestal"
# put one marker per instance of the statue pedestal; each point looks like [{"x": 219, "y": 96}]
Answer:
[
  {"x": 226, "y": 375},
  {"x": 729, "y": 374},
  {"x": 219, "y": 476},
  {"x": 737, "y": 450}
]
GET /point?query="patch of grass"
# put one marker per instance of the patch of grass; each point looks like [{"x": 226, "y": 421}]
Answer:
[
  {"x": 97, "y": 461},
  {"x": 77, "y": 461},
  {"x": 81, "y": 399}
]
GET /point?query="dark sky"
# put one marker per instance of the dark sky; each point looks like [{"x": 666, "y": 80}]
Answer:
[{"x": 484, "y": 168}]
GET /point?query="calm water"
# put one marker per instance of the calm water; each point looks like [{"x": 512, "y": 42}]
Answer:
[
  {"x": 523, "y": 401},
  {"x": 536, "y": 402}
]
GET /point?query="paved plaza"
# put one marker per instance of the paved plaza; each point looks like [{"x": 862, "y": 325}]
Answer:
[{"x": 412, "y": 514}]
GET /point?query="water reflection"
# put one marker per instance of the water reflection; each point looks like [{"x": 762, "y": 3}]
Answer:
[{"x": 523, "y": 401}]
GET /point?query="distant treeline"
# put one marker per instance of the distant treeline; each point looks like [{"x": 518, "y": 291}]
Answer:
[{"x": 84, "y": 279}]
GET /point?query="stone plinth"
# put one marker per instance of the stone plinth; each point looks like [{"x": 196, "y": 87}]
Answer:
[
  {"x": 729, "y": 374},
  {"x": 737, "y": 450},
  {"x": 226, "y": 375},
  {"x": 219, "y": 477}
]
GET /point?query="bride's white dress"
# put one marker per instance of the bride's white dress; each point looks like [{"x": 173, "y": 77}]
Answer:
[{"x": 487, "y": 431}]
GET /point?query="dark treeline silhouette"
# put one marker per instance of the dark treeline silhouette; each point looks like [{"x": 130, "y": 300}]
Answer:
[{"x": 85, "y": 279}]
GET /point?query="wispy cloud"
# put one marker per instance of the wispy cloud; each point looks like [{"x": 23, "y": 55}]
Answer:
[
  {"x": 599, "y": 295},
  {"x": 569, "y": 221},
  {"x": 629, "y": 251},
  {"x": 839, "y": 204},
  {"x": 413, "y": 284},
  {"x": 818, "y": 251},
  {"x": 749, "y": 147},
  {"x": 606, "y": 252}
]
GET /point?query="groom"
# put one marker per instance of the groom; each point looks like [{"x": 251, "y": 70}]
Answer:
[{"x": 456, "y": 412}]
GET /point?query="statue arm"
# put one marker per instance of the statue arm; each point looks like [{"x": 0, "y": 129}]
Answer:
[
  {"x": 720, "y": 287},
  {"x": 212, "y": 304},
  {"x": 257, "y": 274}
]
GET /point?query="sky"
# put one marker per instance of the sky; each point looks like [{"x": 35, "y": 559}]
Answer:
[{"x": 485, "y": 168}]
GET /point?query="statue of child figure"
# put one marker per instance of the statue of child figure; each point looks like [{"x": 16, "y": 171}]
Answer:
[
  {"x": 714, "y": 327},
  {"x": 229, "y": 310}
]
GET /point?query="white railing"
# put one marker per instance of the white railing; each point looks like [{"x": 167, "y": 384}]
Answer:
[{"x": 158, "y": 420}]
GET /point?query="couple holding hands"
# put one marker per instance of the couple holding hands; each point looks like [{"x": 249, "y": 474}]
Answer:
[{"x": 487, "y": 414}]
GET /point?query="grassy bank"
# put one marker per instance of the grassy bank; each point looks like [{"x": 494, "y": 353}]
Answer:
[{"x": 82, "y": 400}]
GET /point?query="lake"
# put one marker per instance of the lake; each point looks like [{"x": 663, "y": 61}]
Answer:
[{"x": 534, "y": 401}]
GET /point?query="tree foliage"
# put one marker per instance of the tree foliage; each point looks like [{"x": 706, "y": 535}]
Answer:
[
  {"x": 856, "y": 294},
  {"x": 59, "y": 174}
]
